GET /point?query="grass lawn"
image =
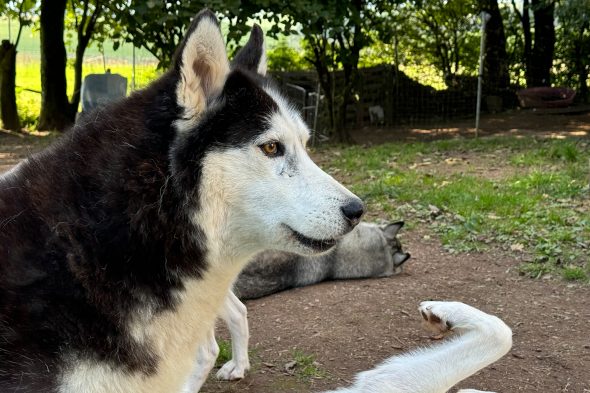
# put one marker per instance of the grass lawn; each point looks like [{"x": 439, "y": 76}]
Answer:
[
  {"x": 28, "y": 63},
  {"x": 530, "y": 196},
  {"x": 28, "y": 78}
]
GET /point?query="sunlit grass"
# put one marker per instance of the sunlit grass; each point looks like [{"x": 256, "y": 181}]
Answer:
[{"x": 539, "y": 208}]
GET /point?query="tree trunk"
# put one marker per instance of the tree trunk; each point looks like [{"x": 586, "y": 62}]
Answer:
[
  {"x": 56, "y": 113},
  {"x": 320, "y": 64},
  {"x": 496, "y": 75},
  {"x": 525, "y": 20},
  {"x": 8, "y": 110},
  {"x": 580, "y": 65},
  {"x": 342, "y": 135},
  {"x": 78, "y": 61},
  {"x": 325, "y": 79},
  {"x": 85, "y": 29},
  {"x": 542, "y": 55}
]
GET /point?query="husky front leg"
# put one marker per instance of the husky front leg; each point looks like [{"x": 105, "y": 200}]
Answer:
[
  {"x": 206, "y": 356},
  {"x": 235, "y": 315},
  {"x": 482, "y": 339}
]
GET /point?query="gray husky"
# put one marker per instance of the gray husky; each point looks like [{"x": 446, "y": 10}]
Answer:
[{"x": 368, "y": 251}]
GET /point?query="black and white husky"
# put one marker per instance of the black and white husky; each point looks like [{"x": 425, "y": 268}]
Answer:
[{"x": 119, "y": 243}]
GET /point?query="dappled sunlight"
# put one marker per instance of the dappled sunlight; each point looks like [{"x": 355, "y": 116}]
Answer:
[{"x": 511, "y": 123}]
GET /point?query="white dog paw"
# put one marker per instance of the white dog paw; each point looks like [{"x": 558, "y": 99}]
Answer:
[
  {"x": 232, "y": 370},
  {"x": 444, "y": 316}
]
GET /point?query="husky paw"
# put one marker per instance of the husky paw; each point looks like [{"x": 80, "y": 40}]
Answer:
[
  {"x": 444, "y": 316},
  {"x": 232, "y": 370}
]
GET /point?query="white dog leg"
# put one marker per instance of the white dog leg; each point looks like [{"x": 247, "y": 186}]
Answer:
[
  {"x": 206, "y": 356},
  {"x": 235, "y": 315},
  {"x": 482, "y": 339}
]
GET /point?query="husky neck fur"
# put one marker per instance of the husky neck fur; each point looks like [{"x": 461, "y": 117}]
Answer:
[
  {"x": 369, "y": 250},
  {"x": 119, "y": 243}
]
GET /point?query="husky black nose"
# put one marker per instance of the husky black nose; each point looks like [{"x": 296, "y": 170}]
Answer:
[{"x": 353, "y": 211}]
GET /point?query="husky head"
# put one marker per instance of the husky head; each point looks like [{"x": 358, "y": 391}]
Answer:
[
  {"x": 394, "y": 246},
  {"x": 370, "y": 250},
  {"x": 240, "y": 154}
]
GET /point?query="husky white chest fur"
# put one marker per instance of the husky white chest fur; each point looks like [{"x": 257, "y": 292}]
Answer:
[{"x": 120, "y": 242}]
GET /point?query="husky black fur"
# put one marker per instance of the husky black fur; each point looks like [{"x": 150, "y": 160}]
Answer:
[{"x": 96, "y": 225}]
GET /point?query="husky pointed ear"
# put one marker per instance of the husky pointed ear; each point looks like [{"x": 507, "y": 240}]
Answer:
[
  {"x": 252, "y": 56},
  {"x": 390, "y": 231},
  {"x": 202, "y": 64}
]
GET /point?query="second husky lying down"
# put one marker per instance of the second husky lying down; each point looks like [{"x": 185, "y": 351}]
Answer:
[{"x": 368, "y": 251}]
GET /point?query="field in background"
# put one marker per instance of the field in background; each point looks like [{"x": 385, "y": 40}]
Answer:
[
  {"x": 28, "y": 74},
  {"x": 28, "y": 77}
]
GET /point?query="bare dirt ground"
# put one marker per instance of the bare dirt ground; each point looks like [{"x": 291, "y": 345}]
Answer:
[
  {"x": 349, "y": 326},
  {"x": 512, "y": 123}
]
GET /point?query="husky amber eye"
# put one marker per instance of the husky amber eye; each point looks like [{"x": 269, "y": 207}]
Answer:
[{"x": 271, "y": 149}]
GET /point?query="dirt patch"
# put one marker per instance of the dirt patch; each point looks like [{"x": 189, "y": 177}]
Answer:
[
  {"x": 14, "y": 146},
  {"x": 512, "y": 123}
]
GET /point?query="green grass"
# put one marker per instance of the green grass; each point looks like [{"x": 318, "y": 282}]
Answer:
[
  {"x": 28, "y": 74},
  {"x": 28, "y": 78},
  {"x": 539, "y": 210},
  {"x": 307, "y": 368},
  {"x": 574, "y": 273},
  {"x": 224, "y": 353}
]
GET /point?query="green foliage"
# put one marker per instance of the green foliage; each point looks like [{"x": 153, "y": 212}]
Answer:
[
  {"x": 574, "y": 273},
  {"x": 572, "y": 64},
  {"x": 90, "y": 17},
  {"x": 443, "y": 33},
  {"x": 22, "y": 11},
  {"x": 159, "y": 26},
  {"x": 286, "y": 58},
  {"x": 306, "y": 367},
  {"x": 224, "y": 353}
]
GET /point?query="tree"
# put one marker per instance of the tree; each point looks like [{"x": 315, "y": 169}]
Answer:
[
  {"x": 159, "y": 26},
  {"x": 447, "y": 32},
  {"x": 83, "y": 17},
  {"x": 57, "y": 112},
  {"x": 539, "y": 43},
  {"x": 574, "y": 42},
  {"x": 335, "y": 32},
  {"x": 496, "y": 76},
  {"x": 8, "y": 109}
]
